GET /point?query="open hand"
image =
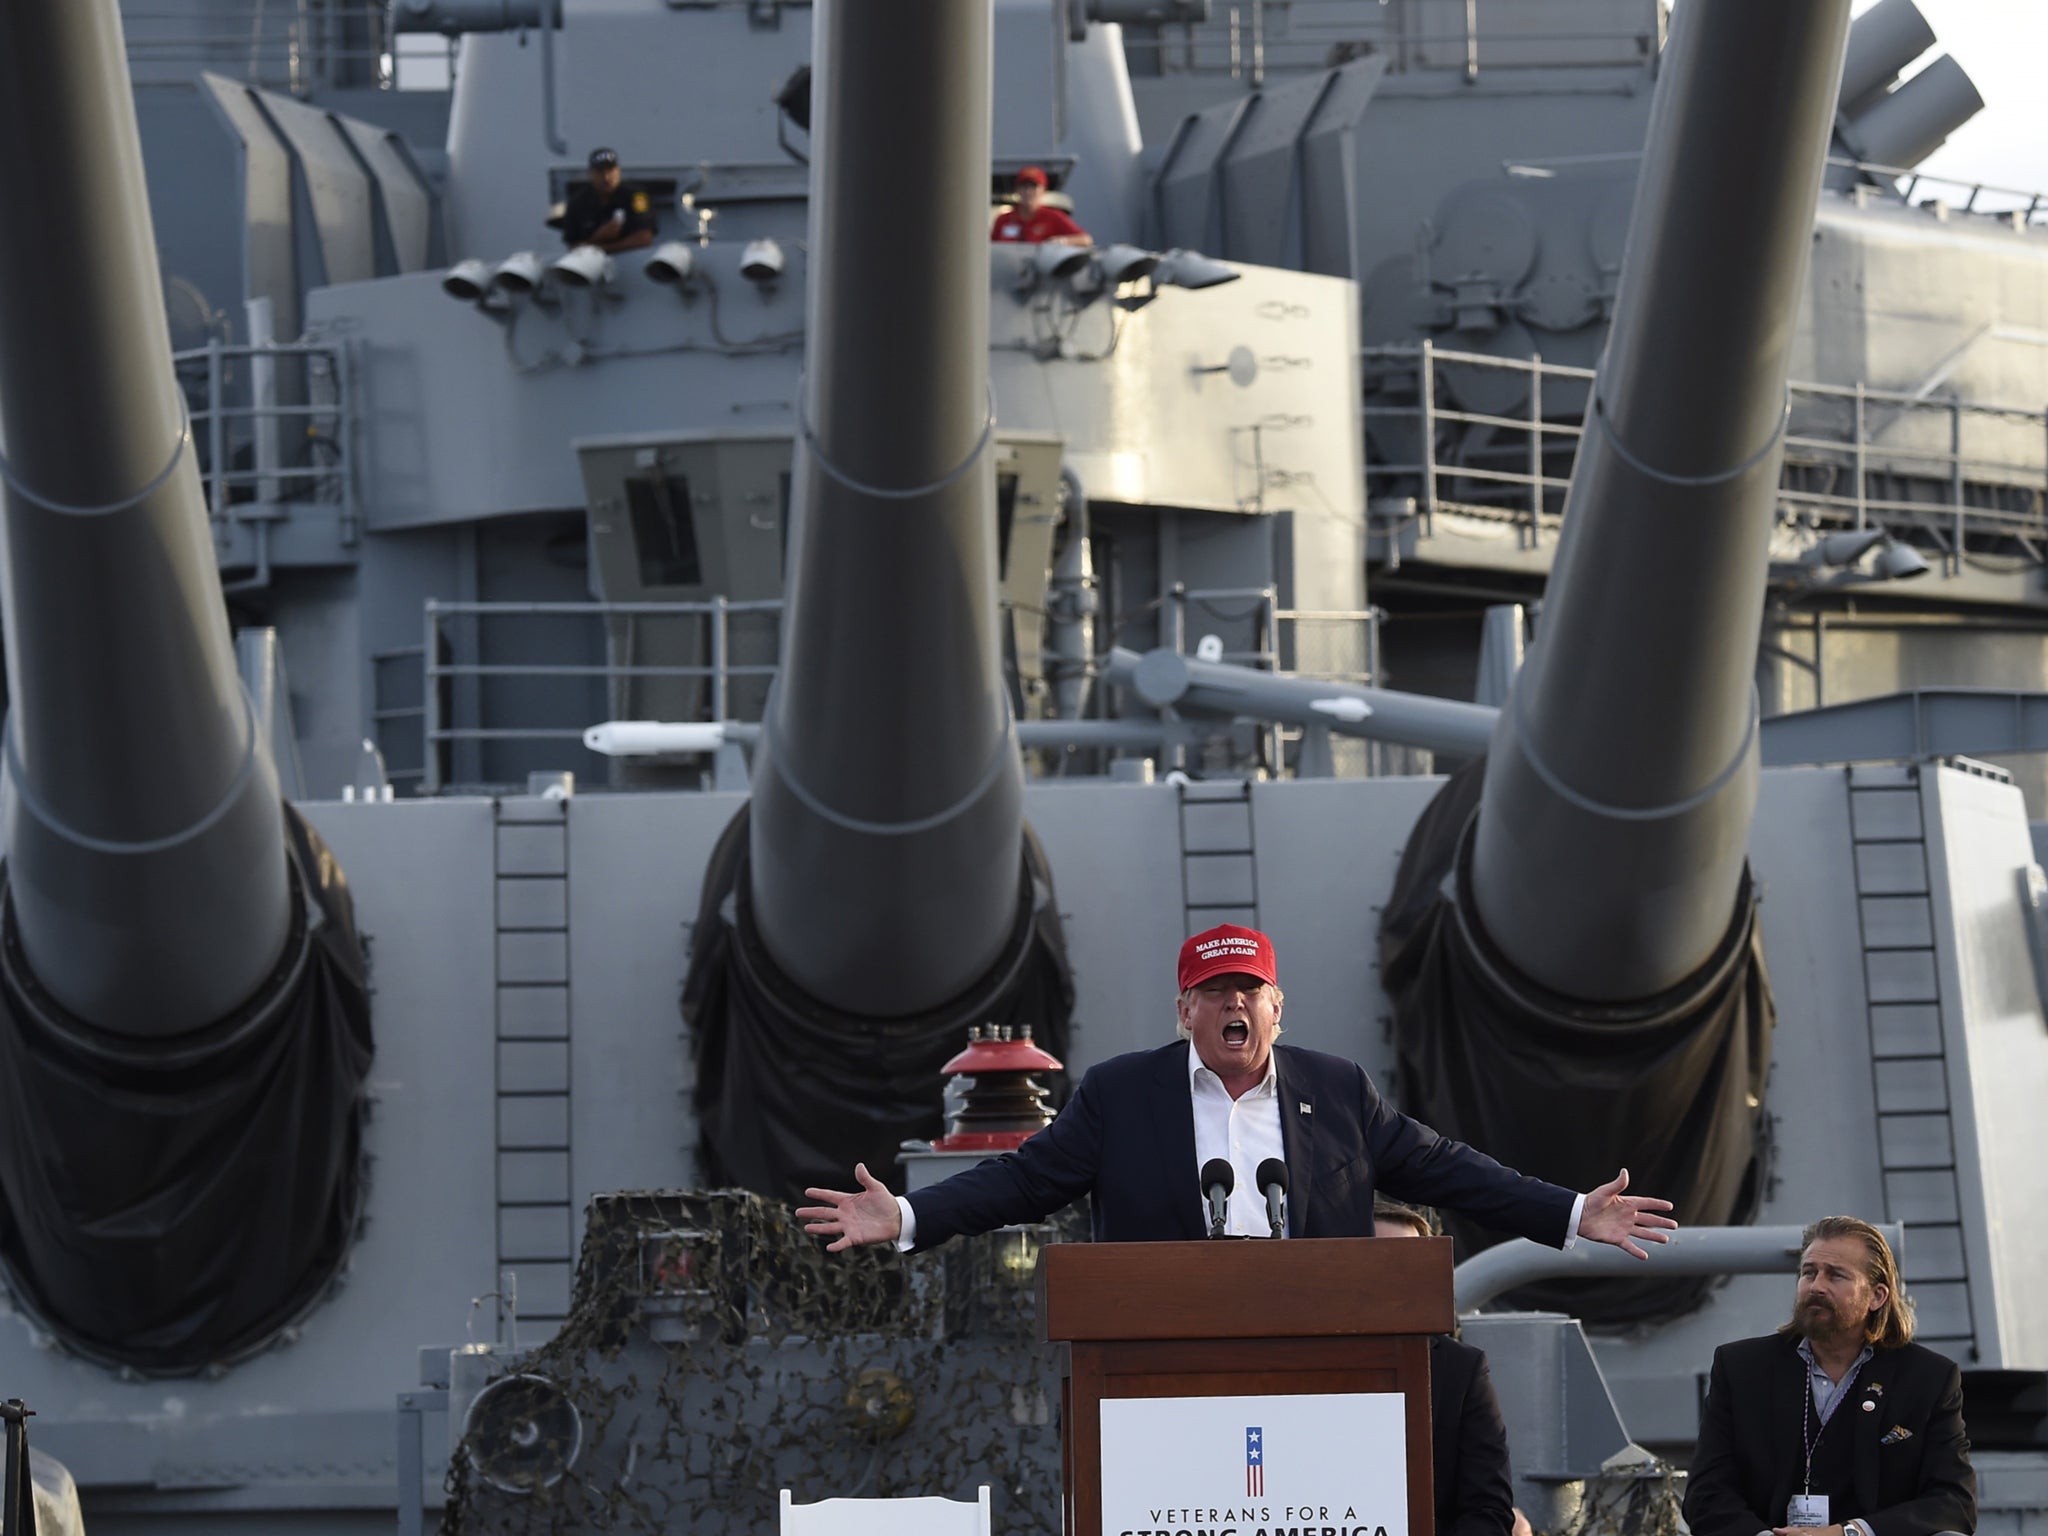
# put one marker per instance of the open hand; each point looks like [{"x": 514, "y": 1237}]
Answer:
[
  {"x": 869, "y": 1215},
  {"x": 1625, "y": 1220}
]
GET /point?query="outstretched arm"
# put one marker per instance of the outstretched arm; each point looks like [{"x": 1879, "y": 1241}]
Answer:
[
  {"x": 1050, "y": 1171},
  {"x": 1415, "y": 1163}
]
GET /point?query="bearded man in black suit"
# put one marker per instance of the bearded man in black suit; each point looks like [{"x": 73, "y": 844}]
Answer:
[{"x": 1837, "y": 1424}]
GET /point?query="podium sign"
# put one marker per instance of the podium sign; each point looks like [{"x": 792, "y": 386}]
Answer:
[
  {"x": 1321, "y": 1461},
  {"x": 1246, "y": 1387}
]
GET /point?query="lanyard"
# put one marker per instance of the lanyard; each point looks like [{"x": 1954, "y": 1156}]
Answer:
[{"x": 1806, "y": 1435}]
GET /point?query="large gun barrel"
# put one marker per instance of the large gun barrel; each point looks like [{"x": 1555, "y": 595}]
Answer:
[
  {"x": 881, "y": 893},
  {"x": 146, "y": 869},
  {"x": 1621, "y": 782},
  {"x": 184, "y": 1017},
  {"x": 888, "y": 792},
  {"x": 1577, "y": 910}
]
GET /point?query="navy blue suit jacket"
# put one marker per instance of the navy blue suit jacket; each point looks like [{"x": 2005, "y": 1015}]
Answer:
[{"x": 1127, "y": 1138}]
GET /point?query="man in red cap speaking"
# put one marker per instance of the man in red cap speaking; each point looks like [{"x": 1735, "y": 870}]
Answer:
[{"x": 1141, "y": 1129}]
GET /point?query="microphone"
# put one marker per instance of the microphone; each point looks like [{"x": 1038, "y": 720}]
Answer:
[
  {"x": 1273, "y": 1181},
  {"x": 1218, "y": 1179}
]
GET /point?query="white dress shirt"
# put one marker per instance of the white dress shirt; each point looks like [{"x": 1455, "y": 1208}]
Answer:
[{"x": 1244, "y": 1132}]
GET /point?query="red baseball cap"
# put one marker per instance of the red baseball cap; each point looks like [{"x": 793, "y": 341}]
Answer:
[
  {"x": 1031, "y": 173},
  {"x": 1227, "y": 950}
]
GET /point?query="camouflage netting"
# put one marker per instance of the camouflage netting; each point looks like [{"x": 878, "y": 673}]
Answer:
[{"x": 715, "y": 1355}]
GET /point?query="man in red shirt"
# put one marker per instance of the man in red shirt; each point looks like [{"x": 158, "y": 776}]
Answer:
[{"x": 1031, "y": 221}]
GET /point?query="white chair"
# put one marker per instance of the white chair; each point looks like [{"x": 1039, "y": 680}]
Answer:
[{"x": 886, "y": 1517}]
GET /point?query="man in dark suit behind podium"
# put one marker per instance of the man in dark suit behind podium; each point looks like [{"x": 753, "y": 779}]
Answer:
[
  {"x": 1468, "y": 1442},
  {"x": 1140, "y": 1128}
]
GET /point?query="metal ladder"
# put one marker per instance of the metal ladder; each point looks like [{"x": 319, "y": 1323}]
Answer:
[
  {"x": 1219, "y": 873},
  {"x": 1902, "y": 979},
  {"x": 535, "y": 1210}
]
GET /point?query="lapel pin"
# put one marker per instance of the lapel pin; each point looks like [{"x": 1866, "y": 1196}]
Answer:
[
  {"x": 1307, "y": 1108},
  {"x": 1869, "y": 1404}
]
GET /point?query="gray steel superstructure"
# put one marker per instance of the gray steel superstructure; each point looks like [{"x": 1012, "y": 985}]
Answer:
[{"x": 480, "y": 522}]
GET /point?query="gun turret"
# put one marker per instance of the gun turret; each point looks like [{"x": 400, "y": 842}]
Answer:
[
  {"x": 1598, "y": 945},
  {"x": 889, "y": 894},
  {"x": 182, "y": 987}
]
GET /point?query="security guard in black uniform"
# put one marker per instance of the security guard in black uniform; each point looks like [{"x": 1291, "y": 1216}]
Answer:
[{"x": 605, "y": 211}]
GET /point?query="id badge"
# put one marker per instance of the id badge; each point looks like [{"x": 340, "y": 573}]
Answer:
[{"x": 1807, "y": 1509}]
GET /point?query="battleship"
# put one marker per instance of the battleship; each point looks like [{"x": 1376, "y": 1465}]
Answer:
[{"x": 517, "y": 762}]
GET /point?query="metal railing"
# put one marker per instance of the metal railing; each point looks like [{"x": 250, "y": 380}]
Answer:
[
  {"x": 291, "y": 445},
  {"x": 1247, "y": 39},
  {"x": 290, "y": 45},
  {"x": 1329, "y": 645},
  {"x": 1954, "y": 476},
  {"x": 2030, "y": 204},
  {"x": 445, "y": 667},
  {"x": 454, "y": 709}
]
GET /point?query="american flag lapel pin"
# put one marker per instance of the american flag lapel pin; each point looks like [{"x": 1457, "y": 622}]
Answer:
[{"x": 1307, "y": 1108}]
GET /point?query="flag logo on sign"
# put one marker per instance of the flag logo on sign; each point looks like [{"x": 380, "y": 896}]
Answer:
[{"x": 1255, "y": 1463}]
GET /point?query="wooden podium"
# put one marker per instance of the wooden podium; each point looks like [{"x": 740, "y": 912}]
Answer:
[{"x": 1247, "y": 1318}]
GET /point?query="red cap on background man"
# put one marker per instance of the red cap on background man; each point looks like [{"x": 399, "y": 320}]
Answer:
[
  {"x": 1227, "y": 950},
  {"x": 1032, "y": 174}
]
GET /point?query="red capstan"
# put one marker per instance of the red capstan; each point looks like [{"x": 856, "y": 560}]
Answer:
[{"x": 1004, "y": 1105}]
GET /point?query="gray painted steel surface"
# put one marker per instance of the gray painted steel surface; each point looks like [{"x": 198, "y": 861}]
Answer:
[
  {"x": 1565, "y": 1425},
  {"x": 146, "y": 864},
  {"x": 526, "y": 954}
]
